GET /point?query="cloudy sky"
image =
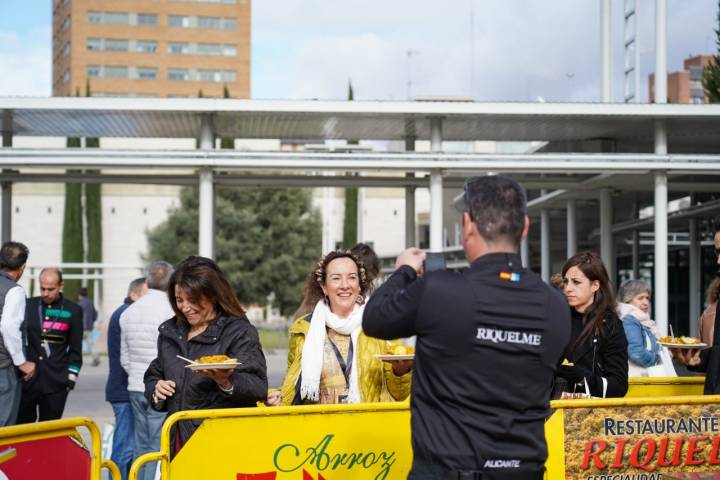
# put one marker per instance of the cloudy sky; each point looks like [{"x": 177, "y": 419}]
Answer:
[{"x": 492, "y": 50}]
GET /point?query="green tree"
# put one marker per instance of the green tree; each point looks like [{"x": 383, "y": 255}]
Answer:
[
  {"x": 266, "y": 240},
  {"x": 72, "y": 241},
  {"x": 93, "y": 218},
  {"x": 351, "y": 198},
  {"x": 711, "y": 73},
  {"x": 227, "y": 143}
]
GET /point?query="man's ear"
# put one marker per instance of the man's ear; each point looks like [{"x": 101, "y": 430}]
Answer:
[{"x": 526, "y": 228}]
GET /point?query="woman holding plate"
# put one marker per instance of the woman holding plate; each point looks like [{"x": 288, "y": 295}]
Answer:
[
  {"x": 208, "y": 321},
  {"x": 331, "y": 359}
]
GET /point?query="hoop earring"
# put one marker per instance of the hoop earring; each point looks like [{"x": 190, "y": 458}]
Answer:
[{"x": 360, "y": 300}]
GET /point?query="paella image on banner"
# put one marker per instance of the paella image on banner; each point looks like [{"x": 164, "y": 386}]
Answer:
[{"x": 643, "y": 442}]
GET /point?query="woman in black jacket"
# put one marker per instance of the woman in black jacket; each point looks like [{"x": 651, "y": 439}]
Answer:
[
  {"x": 208, "y": 321},
  {"x": 596, "y": 359}
]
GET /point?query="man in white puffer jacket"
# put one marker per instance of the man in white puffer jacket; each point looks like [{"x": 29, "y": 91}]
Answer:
[{"x": 138, "y": 347}]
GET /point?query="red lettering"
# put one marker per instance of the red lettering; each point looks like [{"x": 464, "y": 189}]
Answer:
[
  {"x": 693, "y": 448},
  {"x": 619, "y": 453},
  {"x": 649, "y": 454},
  {"x": 714, "y": 460},
  {"x": 594, "y": 453},
  {"x": 662, "y": 453},
  {"x": 257, "y": 476}
]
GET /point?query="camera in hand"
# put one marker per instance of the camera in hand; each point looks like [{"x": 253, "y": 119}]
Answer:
[{"x": 433, "y": 262}]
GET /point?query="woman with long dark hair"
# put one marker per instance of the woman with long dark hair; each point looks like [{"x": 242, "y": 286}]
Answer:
[
  {"x": 596, "y": 358},
  {"x": 208, "y": 321}
]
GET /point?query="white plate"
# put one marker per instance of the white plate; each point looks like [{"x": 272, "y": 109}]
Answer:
[
  {"x": 208, "y": 366},
  {"x": 391, "y": 358},
  {"x": 696, "y": 346}
]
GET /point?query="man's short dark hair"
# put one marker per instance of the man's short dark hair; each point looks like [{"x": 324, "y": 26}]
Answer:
[
  {"x": 158, "y": 275},
  {"x": 498, "y": 206},
  {"x": 83, "y": 292},
  {"x": 136, "y": 286},
  {"x": 13, "y": 255}
]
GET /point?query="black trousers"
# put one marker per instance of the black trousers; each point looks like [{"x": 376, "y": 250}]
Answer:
[
  {"x": 423, "y": 470},
  {"x": 38, "y": 407}
]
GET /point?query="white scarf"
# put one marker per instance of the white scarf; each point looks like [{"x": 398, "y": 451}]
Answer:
[
  {"x": 624, "y": 309},
  {"x": 314, "y": 347}
]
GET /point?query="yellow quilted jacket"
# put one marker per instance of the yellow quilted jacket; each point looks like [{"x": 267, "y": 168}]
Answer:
[{"x": 377, "y": 381}]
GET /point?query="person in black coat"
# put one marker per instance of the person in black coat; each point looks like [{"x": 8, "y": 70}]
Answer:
[
  {"x": 54, "y": 343},
  {"x": 596, "y": 359},
  {"x": 208, "y": 321}
]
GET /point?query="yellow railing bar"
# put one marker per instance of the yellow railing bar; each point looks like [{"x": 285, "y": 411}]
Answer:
[
  {"x": 633, "y": 402},
  {"x": 666, "y": 380},
  {"x": 112, "y": 468},
  {"x": 147, "y": 458},
  {"x": 19, "y": 433}
]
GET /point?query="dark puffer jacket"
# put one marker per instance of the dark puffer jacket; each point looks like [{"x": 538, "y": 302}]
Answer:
[{"x": 234, "y": 337}]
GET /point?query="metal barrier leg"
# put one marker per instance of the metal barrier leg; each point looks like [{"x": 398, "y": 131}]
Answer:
[
  {"x": 110, "y": 466},
  {"x": 142, "y": 460}
]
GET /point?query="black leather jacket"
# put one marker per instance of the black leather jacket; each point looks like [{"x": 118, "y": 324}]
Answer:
[{"x": 234, "y": 337}]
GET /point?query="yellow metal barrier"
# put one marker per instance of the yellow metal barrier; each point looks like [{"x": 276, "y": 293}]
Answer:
[
  {"x": 664, "y": 386},
  {"x": 341, "y": 441},
  {"x": 62, "y": 428},
  {"x": 142, "y": 460}
]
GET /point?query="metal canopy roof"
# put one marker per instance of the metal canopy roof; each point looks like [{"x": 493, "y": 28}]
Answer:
[{"x": 319, "y": 120}]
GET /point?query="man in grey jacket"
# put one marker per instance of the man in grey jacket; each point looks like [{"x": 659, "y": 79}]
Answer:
[
  {"x": 138, "y": 347},
  {"x": 13, "y": 256}
]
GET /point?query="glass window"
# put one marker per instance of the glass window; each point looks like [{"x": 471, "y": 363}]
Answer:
[
  {"x": 178, "y": 48},
  {"x": 66, "y": 49},
  {"x": 178, "y": 74},
  {"x": 115, "y": 71},
  {"x": 146, "y": 46},
  {"x": 229, "y": 50},
  {"x": 92, "y": 70},
  {"x": 209, "y": 22},
  {"x": 147, "y": 73},
  {"x": 229, "y": 24},
  {"x": 66, "y": 23},
  {"x": 229, "y": 76},
  {"x": 94, "y": 17},
  {"x": 94, "y": 44},
  {"x": 208, "y": 75},
  {"x": 178, "y": 21},
  {"x": 116, "y": 45},
  {"x": 146, "y": 19},
  {"x": 116, "y": 18},
  {"x": 208, "y": 49},
  {"x": 66, "y": 76}
]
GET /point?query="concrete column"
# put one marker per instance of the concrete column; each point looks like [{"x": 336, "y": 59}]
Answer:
[
  {"x": 636, "y": 254},
  {"x": 571, "y": 227},
  {"x": 695, "y": 273},
  {"x": 606, "y": 49},
  {"x": 436, "y": 190},
  {"x": 410, "y": 240},
  {"x": 525, "y": 253},
  {"x": 606, "y": 238},
  {"x": 6, "y": 187},
  {"x": 545, "y": 245},
  {"x": 661, "y": 253},
  {"x": 206, "y": 210}
]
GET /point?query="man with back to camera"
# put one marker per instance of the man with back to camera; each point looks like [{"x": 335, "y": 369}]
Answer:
[
  {"x": 13, "y": 257},
  {"x": 54, "y": 343},
  {"x": 488, "y": 341}
]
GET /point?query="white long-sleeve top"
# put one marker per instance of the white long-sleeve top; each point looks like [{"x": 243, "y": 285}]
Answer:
[
  {"x": 139, "y": 333},
  {"x": 13, "y": 314}
]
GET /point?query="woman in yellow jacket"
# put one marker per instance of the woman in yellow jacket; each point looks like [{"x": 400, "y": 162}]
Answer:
[{"x": 330, "y": 359}]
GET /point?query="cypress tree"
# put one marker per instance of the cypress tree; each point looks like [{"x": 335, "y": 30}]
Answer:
[
  {"x": 351, "y": 198},
  {"x": 711, "y": 73},
  {"x": 72, "y": 241},
  {"x": 227, "y": 143},
  {"x": 93, "y": 217}
]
